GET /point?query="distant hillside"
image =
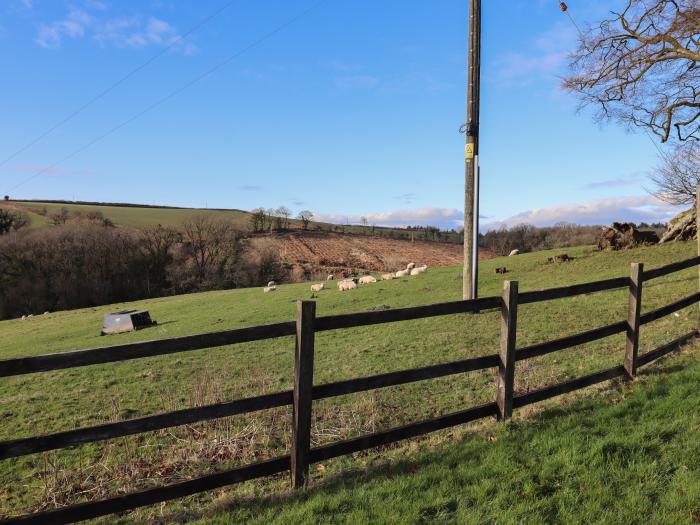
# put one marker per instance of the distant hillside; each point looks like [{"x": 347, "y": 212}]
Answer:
[{"x": 142, "y": 215}]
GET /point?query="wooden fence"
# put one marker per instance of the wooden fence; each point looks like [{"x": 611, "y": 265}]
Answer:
[{"x": 305, "y": 391}]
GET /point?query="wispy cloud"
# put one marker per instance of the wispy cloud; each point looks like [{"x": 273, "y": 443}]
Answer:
[
  {"x": 356, "y": 81},
  {"x": 49, "y": 170},
  {"x": 544, "y": 57},
  {"x": 632, "y": 180},
  {"x": 92, "y": 20},
  {"x": 603, "y": 211},
  {"x": 407, "y": 198}
]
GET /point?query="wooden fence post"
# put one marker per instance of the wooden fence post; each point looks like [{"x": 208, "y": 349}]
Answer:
[
  {"x": 634, "y": 308},
  {"x": 303, "y": 383},
  {"x": 506, "y": 365}
]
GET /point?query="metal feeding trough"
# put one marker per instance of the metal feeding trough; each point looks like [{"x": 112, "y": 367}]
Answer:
[{"x": 126, "y": 321}]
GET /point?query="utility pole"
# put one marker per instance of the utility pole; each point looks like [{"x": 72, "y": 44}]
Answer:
[{"x": 471, "y": 156}]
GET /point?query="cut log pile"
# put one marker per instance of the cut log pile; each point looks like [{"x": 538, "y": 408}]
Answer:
[
  {"x": 682, "y": 227},
  {"x": 623, "y": 235}
]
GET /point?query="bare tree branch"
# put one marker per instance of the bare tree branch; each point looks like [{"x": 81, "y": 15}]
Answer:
[{"x": 640, "y": 68}]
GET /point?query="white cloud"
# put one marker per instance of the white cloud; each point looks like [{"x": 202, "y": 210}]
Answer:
[
  {"x": 547, "y": 54},
  {"x": 73, "y": 26},
  {"x": 121, "y": 31},
  {"x": 442, "y": 217},
  {"x": 603, "y": 211}
]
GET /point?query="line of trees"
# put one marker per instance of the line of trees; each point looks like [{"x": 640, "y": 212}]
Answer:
[{"x": 86, "y": 262}]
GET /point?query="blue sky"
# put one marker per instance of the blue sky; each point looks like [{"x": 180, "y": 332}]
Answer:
[{"x": 353, "y": 109}]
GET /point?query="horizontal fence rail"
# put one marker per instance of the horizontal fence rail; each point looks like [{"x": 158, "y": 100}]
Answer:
[
  {"x": 335, "y": 322},
  {"x": 22, "y": 447},
  {"x": 572, "y": 290},
  {"x": 671, "y": 268},
  {"x": 111, "y": 354},
  {"x": 540, "y": 349},
  {"x": 304, "y": 392},
  {"x": 669, "y": 309}
]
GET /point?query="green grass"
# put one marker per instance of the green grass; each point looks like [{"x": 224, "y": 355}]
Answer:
[
  {"x": 137, "y": 217},
  {"x": 627, "y": 456},
  {"x": 61, "y": 400}
]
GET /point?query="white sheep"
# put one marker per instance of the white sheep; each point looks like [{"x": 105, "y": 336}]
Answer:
[
  {"x": 271, "y": 284},
  {"x": 367, "y": 279},
  {"x": 317, "y": 287},
  {"x": 330, "y": 277},
  {"x": 269, "y": 289},
  {"x": 419, "y": 270},
  {"x": 388, "y": 276},
  {"x": 346, "y": 284},
  {"x": 402, "y": 273},
  {"x": 410, "y": 266}
]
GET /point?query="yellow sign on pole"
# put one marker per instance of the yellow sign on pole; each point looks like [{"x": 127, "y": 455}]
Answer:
[{"x": 469, "y": 151}]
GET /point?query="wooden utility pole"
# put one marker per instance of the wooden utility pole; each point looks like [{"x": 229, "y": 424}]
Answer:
[{"x": 471, "y": 156}]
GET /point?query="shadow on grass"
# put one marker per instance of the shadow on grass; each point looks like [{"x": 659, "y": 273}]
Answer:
[{"x": 598, "y": 416}]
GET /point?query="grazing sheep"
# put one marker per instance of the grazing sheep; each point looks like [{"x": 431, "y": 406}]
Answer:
[
  {"x": 24, "y": 318},
  {"x": 514, "y": 252},
  {"x": 410, "y": 266},
  {"x": 419, "y": 270},
  {"x": 331, "y": 277},
  {"x": 502, "y": 270},
  {"x": 367, "y": 279},
  {"x": 346, "y": 284},
  {"x": 317, "y": 287},
  {"x": 402, "y": 273},
  {"x": 388, "y": 276}
]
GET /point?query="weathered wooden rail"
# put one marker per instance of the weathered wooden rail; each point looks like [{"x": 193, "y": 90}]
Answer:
[{"x": 305, "y": 391}]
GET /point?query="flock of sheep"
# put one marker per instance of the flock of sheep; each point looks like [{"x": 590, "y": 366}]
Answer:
[{"x": 351, "y": 283}]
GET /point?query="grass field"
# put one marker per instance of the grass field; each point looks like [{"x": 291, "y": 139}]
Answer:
[
  {"x": 137, "y": 217},
  {"x": 42, "y": 403}
]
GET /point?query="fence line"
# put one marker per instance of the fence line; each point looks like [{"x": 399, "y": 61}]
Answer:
[{"x": 304, "y": 391}]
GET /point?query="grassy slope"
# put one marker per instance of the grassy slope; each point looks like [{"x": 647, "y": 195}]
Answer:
[
  {"x": 66, "y": 399},
  {"x": 628, "y": 456},
  {"x": 139, "y": 217}
]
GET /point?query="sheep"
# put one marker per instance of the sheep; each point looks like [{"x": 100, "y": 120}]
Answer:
[
  {"x": 388, "y": 276},
  {"x": 331, "y": 277},
  {"x": 419, "y": 270},
  {"x": 402, "y": 273},
  {"x": 410, "y": 266},
  {"x": 503, "y": 269},
  {"x": 367, "y": 279},
  {"x": 271, "y": 284},
  {"x": 317, "y": 287},
  {"x": 24, "y": 318},
  {"x": 269, "y": 289},
  {"x": 514, "y": 252},
  {"x": 346, "y": 284}
]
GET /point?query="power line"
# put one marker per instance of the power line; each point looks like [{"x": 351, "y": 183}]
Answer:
[
  {"x": 179, "y": 39},
  {"x": 173, "y": 94}
]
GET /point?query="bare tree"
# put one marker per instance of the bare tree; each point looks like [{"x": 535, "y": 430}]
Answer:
[
  {"x": 60, "y": 217},
  {"x": 305, "y": 217},
  {"x": 678, "y": 174},
  {"x": 640, "y": 67},
  {"x": 284, "y": 213},
  {"x": 12, "y": 220},
  {"x": 156, "y": 243},
  {"x": 211, "y": 240}
]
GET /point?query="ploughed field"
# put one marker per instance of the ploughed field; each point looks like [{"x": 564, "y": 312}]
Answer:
[
  {"x": 352, "y": 252},
  {"x": 43, "y": 403}
]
